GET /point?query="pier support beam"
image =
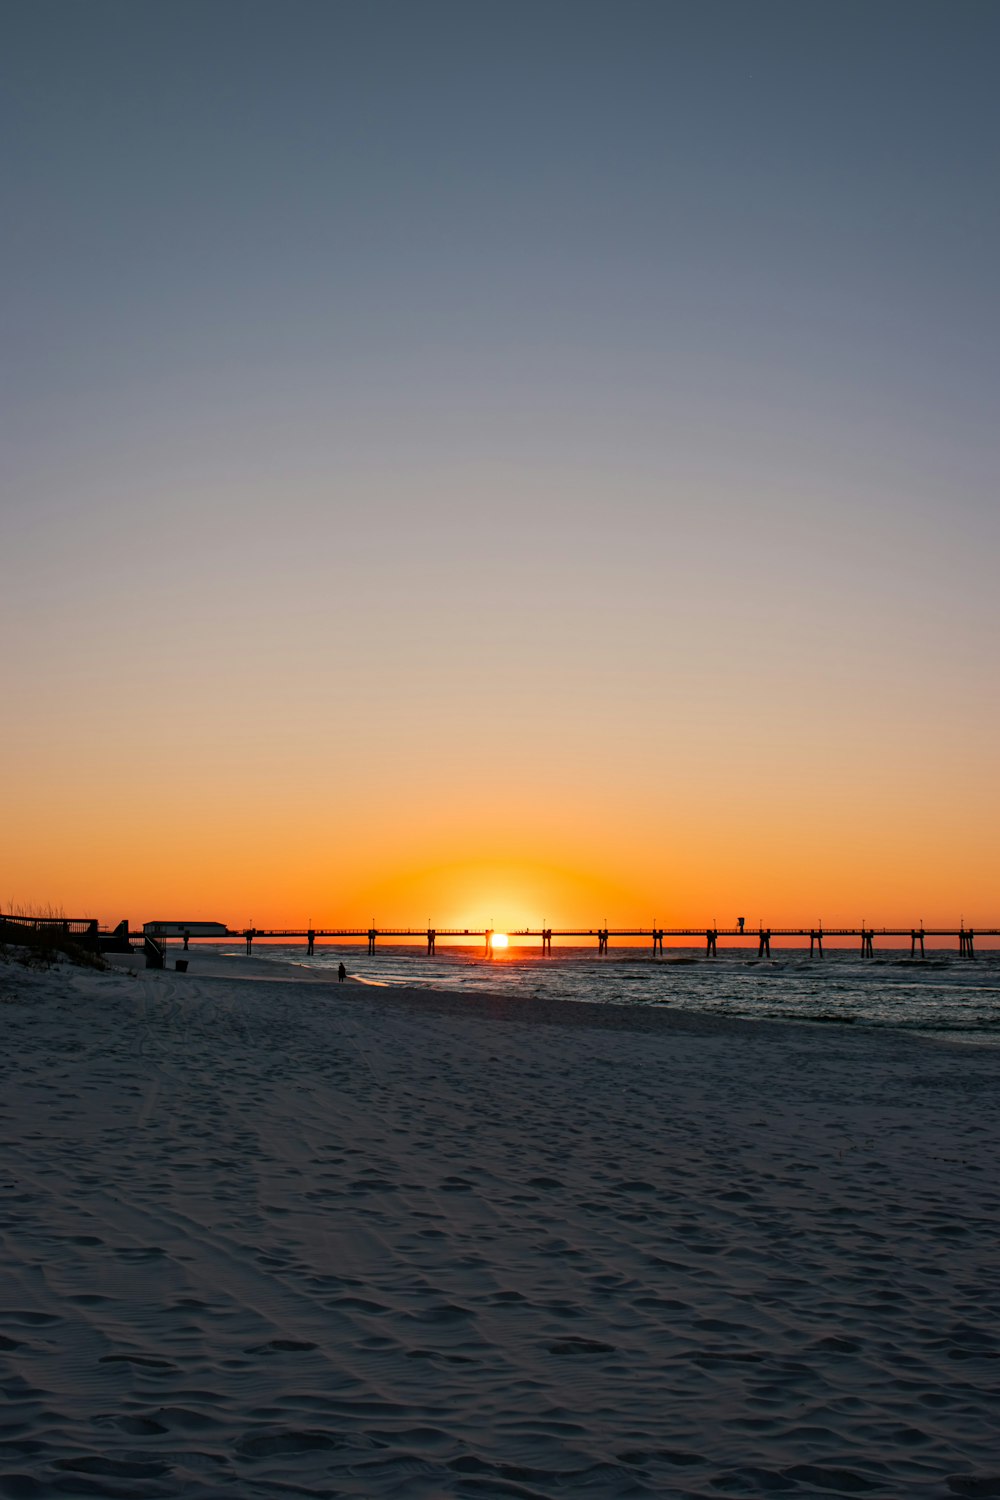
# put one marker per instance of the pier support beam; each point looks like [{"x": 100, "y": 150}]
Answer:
[
  {"x": 764, "y": 945},
  {"x": 546, "y": 942},
  {"x": 310, "y": 943},
  {"x": 816, "y": 941},
  {"x": 250, "y": 934},
  {"x": 372, "y": 935},
  {"x": 967, "y": 942},
  {"x": 489, "y": 942},
  {"x": 917, "y": 936},
  {"x": 657, "y": 941},
  {"x": 602, "y": 940},
  {"x": 867, "y": 942},
  {"x": 711, "y": 942},
  {"x": 431, "y": 942}
]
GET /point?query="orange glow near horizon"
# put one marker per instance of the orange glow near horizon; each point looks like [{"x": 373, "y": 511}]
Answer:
[
  {"x": 589, "y": 774},
  {"x": 291, "y": 801},
  {"x": 283, "y": 858}
]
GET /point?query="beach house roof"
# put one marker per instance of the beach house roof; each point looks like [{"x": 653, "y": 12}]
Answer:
[{"x": 178, "y": 929}]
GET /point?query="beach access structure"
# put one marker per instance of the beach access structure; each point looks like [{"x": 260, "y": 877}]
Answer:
[{"x": 83, "y": 932}]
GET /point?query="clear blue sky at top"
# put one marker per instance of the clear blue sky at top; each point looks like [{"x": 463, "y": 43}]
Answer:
[{"x": 619, "y": 229}]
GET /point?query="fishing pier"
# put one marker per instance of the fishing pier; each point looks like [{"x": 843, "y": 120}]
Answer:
[
  {"x": 603, "y": 936},
  {"x": 153, "y": 936}
]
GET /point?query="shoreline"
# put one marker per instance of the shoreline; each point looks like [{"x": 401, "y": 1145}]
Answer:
[{"x": 603, "y": 1013}]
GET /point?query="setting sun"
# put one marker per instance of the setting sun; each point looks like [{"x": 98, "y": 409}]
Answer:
[{"x": 501, "y": 940}]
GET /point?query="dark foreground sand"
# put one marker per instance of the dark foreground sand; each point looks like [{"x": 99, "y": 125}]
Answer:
[{"x": 278, "y": 1238}]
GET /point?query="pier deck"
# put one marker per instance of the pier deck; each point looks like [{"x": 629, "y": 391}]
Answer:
[
  {"x": 918, "y": 936},
  {"x": 86, "y": 929}
]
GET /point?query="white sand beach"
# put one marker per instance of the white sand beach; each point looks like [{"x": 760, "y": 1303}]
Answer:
[{"x": 263, "y": 1235}]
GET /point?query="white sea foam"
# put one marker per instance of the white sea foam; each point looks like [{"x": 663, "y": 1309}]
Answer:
[{"x": 943, "y": 995}]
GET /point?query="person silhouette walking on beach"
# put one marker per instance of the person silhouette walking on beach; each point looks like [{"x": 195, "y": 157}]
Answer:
[{"x": 341, "y": 973}]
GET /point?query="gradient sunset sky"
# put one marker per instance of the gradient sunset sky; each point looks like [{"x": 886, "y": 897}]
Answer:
[{"x": 498, "y": 459}]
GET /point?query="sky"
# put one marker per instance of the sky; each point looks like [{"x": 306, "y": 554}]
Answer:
[{"x": 500, "y": 460}]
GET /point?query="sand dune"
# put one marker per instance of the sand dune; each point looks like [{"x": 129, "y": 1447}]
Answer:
[{"x": 286, "y": 1238}]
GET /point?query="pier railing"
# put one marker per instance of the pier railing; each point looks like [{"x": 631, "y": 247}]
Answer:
[
  {"x": 710, "y": 936},
  {"x": 87, "y": 932}
]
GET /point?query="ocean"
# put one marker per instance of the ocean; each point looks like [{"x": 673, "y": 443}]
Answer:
[{"x": 942, "y": 995}]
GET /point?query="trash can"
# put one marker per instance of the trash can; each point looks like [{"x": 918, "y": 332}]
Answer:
[{"x": 181, "y": 965}]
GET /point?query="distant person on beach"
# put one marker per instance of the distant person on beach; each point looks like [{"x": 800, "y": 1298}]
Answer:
[{"x": 341, "y": 973}]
